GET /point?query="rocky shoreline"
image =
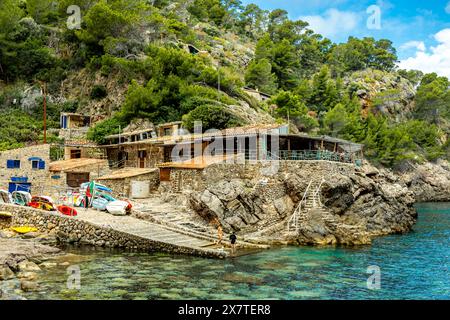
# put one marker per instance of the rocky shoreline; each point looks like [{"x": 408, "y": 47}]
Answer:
[
  {"x": 23, "y": 259},
  {"x": 359, "y": 204}
]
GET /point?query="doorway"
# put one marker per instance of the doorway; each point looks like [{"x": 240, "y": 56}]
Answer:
[
  {"x": 142, "y": 154},
  {"x": 75, "y": 179}
]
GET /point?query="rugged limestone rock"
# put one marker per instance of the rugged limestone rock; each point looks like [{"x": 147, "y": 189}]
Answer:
[
  {"x": 27, "y": 266},
  {"x": 6, "y": 273},
  {"x": 393, "y": 95},
  {"x": 28, "y": 285},
  {"x": 18, "y": 254},
  {"x": 429, "y": 181}
]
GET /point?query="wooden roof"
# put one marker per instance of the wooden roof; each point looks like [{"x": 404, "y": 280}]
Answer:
[
  {"x": 174, "y": 139},
  {"x": 67, "y": 165},
  {"x": 127, "y": 134},
  {"x": 197, "y": 163},
  {"x": 127, "y": 173}
]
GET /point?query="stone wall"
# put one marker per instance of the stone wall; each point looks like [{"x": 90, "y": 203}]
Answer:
[
  {"x": 123, "y": 186},
  {"x": 72, "y": 230},
  {"x": 86, "y": 152},
  {"x": 73, "y": 133},
  {"x": 153, "y": 157},
  {"x": 37, "y": 177},
  {"x": 5, "y": 222},
  {"x": 60, "y": 185},
  {"x": 197, "y": 179},
  {"x": 252, "y": 200}
]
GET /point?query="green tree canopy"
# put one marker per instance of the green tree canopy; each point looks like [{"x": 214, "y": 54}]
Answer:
[
  {"x": 259, "y": 76},
  {"x": 211, "y": 117}
]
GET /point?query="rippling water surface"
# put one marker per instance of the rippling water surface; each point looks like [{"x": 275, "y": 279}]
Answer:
[{"x": 413, "y": 266}]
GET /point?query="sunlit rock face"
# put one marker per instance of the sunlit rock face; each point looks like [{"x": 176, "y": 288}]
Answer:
[{"x": 357, "y": 204}]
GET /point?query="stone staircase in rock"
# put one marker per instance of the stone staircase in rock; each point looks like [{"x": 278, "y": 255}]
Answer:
[
  {"x": 310, "y": 201},
  {"x": 181, "y": 220}
]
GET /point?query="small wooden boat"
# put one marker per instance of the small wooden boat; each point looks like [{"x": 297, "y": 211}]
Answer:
[
  {"x": 5, "y": 197},
  {"x": 68, "y": 211},
  {"x": 93, "y": 186},
  {"x": 42, "y": 202},
  {"x": 23, "y": 229},
  {"x": 21, "y": 198},
  {"x": 118, "y": 207},
  {"x": 99, "y": 203}
]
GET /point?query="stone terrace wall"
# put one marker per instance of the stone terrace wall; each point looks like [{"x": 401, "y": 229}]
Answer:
[
  {"x": 5, "y": 222},
  {"x": 69, "y": 229},
  {"x": 199, "y": 180}
]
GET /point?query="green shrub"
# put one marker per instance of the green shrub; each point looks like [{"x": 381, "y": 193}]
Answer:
[
  {"x": 98, "y": 92},
  {"x": 102, "y": 129},
  {"x": 212, "y": 117}
]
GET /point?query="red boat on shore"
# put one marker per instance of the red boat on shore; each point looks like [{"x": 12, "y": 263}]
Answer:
[{"x": 68, "y": 211}]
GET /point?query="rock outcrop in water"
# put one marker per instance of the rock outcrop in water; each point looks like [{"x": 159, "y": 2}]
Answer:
[
  {"x": 358, "y": 204},
  {"x": 19, "y": 259},
  {"x": 429, "y": 182}
]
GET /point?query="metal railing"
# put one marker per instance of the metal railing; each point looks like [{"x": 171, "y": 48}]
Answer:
[
  {"x": 295, "y": 215},
  {"x": 316, "y": 202},
  {"x": 117, "y": 164},
  {"x": 316, "y": 194},
  {"x": 311, "y": 155}
]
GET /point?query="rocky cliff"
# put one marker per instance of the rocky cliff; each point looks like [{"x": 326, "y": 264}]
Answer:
[{"x": 358, "y": 204}]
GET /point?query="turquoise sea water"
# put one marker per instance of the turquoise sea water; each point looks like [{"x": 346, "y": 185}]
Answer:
[{"x": 413, "y": 266}]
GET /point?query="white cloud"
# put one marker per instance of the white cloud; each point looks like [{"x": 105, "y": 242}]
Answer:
[
  {"x": 447, "y": 8},
  {"x": 436, "y": 59},
  {"x": 418, "y": 45},
  {"x": 333, "y": 22}
]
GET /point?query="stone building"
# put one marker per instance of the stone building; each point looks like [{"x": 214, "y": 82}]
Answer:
[
  {"x": 169, "y": 147},
  {"x": 25, "y": 168},
  {"x": 82, "y": 149},
  {"x": 258, "y": 95},
  {"x": 72, "y": 173},
  {"x": 132, "y": 183},
  {"x": 74, "y": 126},
  {"x": 140, "y": 148},
  {"x": 74, "y": 121}
]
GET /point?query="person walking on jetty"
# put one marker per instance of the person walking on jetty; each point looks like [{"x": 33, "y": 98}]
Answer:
[
  {"x": 219, "y": 234},
  {"x": 233, "y": 239}
]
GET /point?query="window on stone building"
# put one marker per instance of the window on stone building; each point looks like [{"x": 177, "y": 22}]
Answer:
[
  {"x": 75, "y": 154},
  {"x": 13, "y": 164},
  {"x": 35, "y": 164}
]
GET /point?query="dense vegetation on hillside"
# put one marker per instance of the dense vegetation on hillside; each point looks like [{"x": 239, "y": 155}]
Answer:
[{"x": 146, "y": 46}]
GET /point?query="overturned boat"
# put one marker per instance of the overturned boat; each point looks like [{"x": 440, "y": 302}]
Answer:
[
  {"x": 5, "y": 197},
  {"x": 43, "y": 203},
  {"x": 68, "y": 211},
  {"x": 119, "y": 207},
  {"x": 21, "y": 198}
]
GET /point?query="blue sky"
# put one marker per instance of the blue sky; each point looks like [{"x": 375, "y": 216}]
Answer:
[{"x": 420, "y": 30}]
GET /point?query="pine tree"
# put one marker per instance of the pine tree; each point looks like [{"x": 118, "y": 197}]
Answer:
[{"x": 259, "y": 76}]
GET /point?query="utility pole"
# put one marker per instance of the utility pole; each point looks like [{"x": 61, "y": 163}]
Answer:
[
  {"x": 288, "y": 119},
  {"x": 218, "y": 79},
  {"x": 45, "y": 113}
]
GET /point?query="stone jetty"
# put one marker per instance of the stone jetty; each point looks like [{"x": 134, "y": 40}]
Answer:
[{"x": 102, "y": 229}]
